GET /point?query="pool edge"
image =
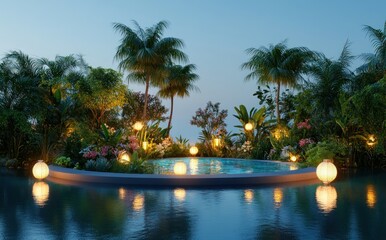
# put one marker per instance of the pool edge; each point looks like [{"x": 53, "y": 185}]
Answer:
[{"x": 82, "y": 176}]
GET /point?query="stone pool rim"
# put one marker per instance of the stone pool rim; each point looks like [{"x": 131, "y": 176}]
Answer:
[{"x": 159, "y": 180}]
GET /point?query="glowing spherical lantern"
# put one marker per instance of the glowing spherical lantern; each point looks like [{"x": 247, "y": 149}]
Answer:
[
  {"x": 138, "y": 126},
  {"x": 293, "y": 158},
  {"x": 371, "y": 141},
  {"x": 179, "y": 168},
  {"x": 326, "y": 171},
  {"x": 40, "y": 170},
  {"x": 193, "y": 150},
  {"x": 124, "y": 157},
  {"x": 248, "y": 126},
  {"x": 40, "y": 193},
  {"x": 326, "y": 198}
]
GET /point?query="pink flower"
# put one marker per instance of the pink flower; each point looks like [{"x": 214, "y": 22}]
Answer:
[
  {"x": 105, "y": 151},
  {"x": 133, "y": 143},
  {"x": 90, "y": 155},
  {"x": 304, "y": 124},
  {"x": 305, "y": 141}
]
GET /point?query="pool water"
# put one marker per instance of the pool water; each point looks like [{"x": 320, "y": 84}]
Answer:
[
  {"x": 197, "y": 166},
  {"x": 352, "y": 207}
]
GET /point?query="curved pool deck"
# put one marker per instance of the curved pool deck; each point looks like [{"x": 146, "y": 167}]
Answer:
[{"x": 158, "y": 180}]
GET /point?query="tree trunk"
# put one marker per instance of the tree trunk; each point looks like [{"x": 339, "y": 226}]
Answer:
[
  {"x": 277, "y": 103},
  {"x": 171, "y": 114},
  {"x": 146, "y": 99}
]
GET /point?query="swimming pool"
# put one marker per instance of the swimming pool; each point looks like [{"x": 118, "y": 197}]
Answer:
[
  {"x": 197, "y": 166},
  {"x": 350, "y": 208}
]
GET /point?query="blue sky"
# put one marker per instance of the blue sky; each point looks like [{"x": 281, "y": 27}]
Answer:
[{"x": 216, "y": 34}]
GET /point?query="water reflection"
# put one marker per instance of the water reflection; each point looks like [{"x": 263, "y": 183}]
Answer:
[
  {"x": 193, "y": 166},
  {"x": 371, "y": 196},
  {"x": 138, "y": 202},
  {"x": 326, "y": 197},
  {"x": 248, "y": 195},
  {"x": 277, "y": 197},
  {"x": 180, "y": 194},
  {"x": 113, "y": 212},
  {"x": 179, "y": 168},
  {"x": 40, "y": 193}
]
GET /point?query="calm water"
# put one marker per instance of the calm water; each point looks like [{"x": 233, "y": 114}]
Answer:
[
  {"x": 195, "y": 166},
  {"x": 352, "y": 208}
]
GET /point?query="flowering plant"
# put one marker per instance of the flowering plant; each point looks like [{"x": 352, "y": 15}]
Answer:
[
  {"x": 92, "y": 152},
  {"x": 305, "y": 141},
  {"x": 304, "y": 125}
]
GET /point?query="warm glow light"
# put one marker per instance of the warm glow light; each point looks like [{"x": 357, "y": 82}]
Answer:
[
  {"x": 326, "y": 171},
  {"x": 294, "y": 166},
  {"x": 216, "y": 142},
  {"x": 193, "y": 150},
  {"x": 371, "y": 141},
  {"x": 179, "y": 168},
  {"x": 326, "y": 198},
  {"x": 180, "y": 194},
  {"x": 293, "y": 158},
  {"x": 371, "y": 196},
  {"x": 40, "y": 170},
  {"x": 280, "y": 132},
  {"x": 248, "y": 195},
  {"x": 145, "y": 145},
  {"x": 138, "y": 126},
  {"x": 248, "y": 126},
  {"x": 277, "y": 197},
  {"x": 138, "y": 202},
  {"x": 124, "y": 157},
  {"x": 122, "y": 193},
  {"x": 40, "y": 193}
]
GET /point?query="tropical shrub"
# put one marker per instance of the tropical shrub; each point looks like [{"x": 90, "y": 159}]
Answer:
[
  {"x": 328, "y": 149},
  {"x": 64, "y": 162},
  {"x": 101, "y": 164}
]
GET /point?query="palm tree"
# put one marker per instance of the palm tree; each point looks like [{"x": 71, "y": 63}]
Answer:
[
  {"x": 330, "y": 78},
  {"x": 144, "y": 53},
  {"x": 178, "y": 83},
  {"x": 375, "y": 61},
  {"x": 278, "y": 65}
]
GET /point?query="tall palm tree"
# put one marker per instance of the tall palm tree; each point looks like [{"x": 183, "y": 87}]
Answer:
[
  {"x": 178, "y": 83},
  {"x": 144, "y": 53},
  {"x": 278, "y": 65},
  {"x": 330, "y": 78},
  {"x": 375, "y": 61}
]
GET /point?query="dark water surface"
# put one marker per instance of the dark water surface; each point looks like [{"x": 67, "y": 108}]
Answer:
[{"x": 353, "y": 207}]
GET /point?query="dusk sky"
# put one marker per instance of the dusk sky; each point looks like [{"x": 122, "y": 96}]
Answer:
[{"x": 216, "y": 35}]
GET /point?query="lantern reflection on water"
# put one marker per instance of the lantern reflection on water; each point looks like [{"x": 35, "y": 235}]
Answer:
[
  {"x": 326, "y": 197},
  {"x": 40, "y": 193},
  {"x": 179, "y": 194}
]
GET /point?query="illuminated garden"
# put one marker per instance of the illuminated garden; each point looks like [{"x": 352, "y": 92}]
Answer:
[{"x": 312, "y": 113}]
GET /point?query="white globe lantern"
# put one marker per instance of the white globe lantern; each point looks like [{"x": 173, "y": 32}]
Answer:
[
  {"x": 40, "y": 170},
  {"x": 124, "y": 157},
  {"x": 193, "y": 150},
  {"x": 248, "y": 126},
  {"x": 138, "y": 126},
  {"x": 179, "y": 168},
  {"x": 326, "y": 171}
]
